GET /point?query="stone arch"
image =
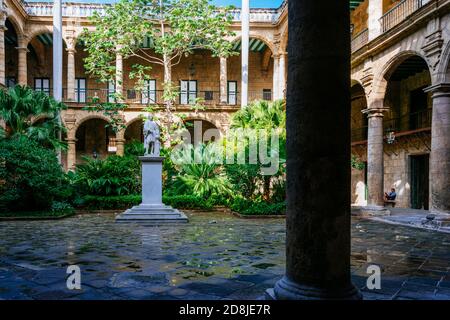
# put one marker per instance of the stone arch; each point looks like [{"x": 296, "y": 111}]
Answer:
[
  {"x": 443, "y": 72},
  {"x": 206, "y": 127},
  {"x": 79, "y": 122},
  {"x": 357, "y": 117},
  {"x": 382, "y": 78},
  {"x": 130, "y": 125},
  {"x": 254, "y": 35},
  {"x": 15, "y": 21},
  {"x": 93, "y": 137}
]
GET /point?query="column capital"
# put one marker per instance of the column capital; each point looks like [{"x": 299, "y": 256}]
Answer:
[
  {"x": 71, "y": 50},
  {"x": 439, "y": 90},
  {"x": 25, "y": 49},
  {"x": 375, "y": 112}
]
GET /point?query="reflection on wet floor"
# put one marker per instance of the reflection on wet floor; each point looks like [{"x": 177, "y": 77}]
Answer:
[{"x": 215, "y": 256}]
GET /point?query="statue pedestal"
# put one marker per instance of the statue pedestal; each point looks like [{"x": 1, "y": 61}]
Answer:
[{"x": 152, "y": 210}]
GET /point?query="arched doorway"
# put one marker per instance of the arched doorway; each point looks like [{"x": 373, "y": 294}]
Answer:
[
  {"x": 358, "y": 119},
  {"x": 359, "y": 128},
  {"x": 407, "y": 129},
  {"x": 202, "y": 131},
  {"x": 11, "y": 55},
  {"x": 95, "y": 139}
]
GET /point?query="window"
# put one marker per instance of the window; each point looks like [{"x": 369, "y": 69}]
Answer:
[
  {"x": 188, "y": 91},
  {"x": 111, "y": 91},
  {"x": 232, "y": 92},
  {"x": 10, "y": 82},
  {"x": 267, "y": 94},
  {"x": 42, "y": 84},
  {"x": 80, "y": 90},
  {"x": 149, "y": 92}
]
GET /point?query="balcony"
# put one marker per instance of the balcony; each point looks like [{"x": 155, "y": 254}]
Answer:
[
  {"x": 82, "y": 10},
  {"x": 402, "y": 126},
  {"x": 400, "y": 13},
  {"x": 136, "y": 99},
  {"x": 360, "y": 40}
]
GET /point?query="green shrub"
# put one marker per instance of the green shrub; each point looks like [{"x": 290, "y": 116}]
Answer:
[
  {"x": 92, "y": 202},
  {"x": 113, "y": 176},
  {"x": 199, "y": 172},
  {"x": 134, "y": 148},
  {"x": 187, "y": 202},
  {"x": 249, "y": 207},
  {"x": 31, "y": 176}
]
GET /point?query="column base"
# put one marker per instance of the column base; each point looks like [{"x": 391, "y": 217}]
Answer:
[
  {"x": 286, "y": 289},
  {"x": 374, "y": 211}
]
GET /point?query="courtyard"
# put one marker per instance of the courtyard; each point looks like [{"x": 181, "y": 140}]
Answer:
[{"x": 215, "y": 256}]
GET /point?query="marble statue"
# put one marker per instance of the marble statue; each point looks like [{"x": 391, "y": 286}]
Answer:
[{"x": 151, "y": 138}]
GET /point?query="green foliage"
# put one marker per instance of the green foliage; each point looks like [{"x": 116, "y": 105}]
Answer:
[
  {"x": 187, "y": 202},
  {"x": 93, "y": 202},
  {"x": 112, "y": 176},
  {"x": 125, "y": 202},
  {"x": 31, "y": 176},
  {"x": 134, "y": 148},
  {"x": 266, "y": 118},
  {"x": 357, "y": 164},
  {"x": 20, "y": 106},
  {"x": 244, "y": 178},
  {"x": 249, "y": 207},
  {"x": 199, "y": 172}
]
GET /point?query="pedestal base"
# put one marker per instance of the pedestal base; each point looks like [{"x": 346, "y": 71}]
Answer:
[
  {"x": 153, "y": 214},
  {"x": 288, "y": 290}
]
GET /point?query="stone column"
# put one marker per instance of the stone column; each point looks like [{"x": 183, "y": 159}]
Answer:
[
  {"x": 375, "y": 159},
  {"x": 119, "y": 75},
  {"x": 223, "y": 81},
  {"x": 22, "y": 65},
  {"x": 282, "y": 77},
  {"x": 375, "y": 13},
  {"x": 440, "y": 149},
  {"x": 318, "y": 161},
  {"x": 245, "y": 30},
  {"x": 71, "y": 154},
  {"x": 120, "y": 144},
  {"x": 276, "y": 77},
  {"x": 2, "y": 53},
  {"x": 71, "y": 73}
]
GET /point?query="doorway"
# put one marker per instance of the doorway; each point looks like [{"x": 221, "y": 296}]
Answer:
[{"x": 420, "y": 181}]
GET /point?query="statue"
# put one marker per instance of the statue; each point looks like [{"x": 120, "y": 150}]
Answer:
[{"x": 151, "y": 138}]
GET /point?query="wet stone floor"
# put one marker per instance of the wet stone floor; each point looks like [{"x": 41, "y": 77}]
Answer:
[{"x": 215, "y": 256}]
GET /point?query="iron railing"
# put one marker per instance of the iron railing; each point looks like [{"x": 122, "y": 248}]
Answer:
[
  {"x": 360, "y": 40},
  {"x": 399, "y": 13},
  {"x": 156, "y": 97}
]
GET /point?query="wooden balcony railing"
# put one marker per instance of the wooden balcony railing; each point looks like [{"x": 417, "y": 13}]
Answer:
[
  {"x": 360, "y": 40},
  {"x": 400, "y": 12},
  {"x": 408, "y": 122}
]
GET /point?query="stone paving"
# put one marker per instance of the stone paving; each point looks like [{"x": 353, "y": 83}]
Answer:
[{"x": 215, "y": 256}]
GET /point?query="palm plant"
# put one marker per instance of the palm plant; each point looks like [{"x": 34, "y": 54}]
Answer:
[
  {"x": 267, "y": 116},
  {"x": 20, "y": 106},
  {"x": 199, "y": 171}
]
